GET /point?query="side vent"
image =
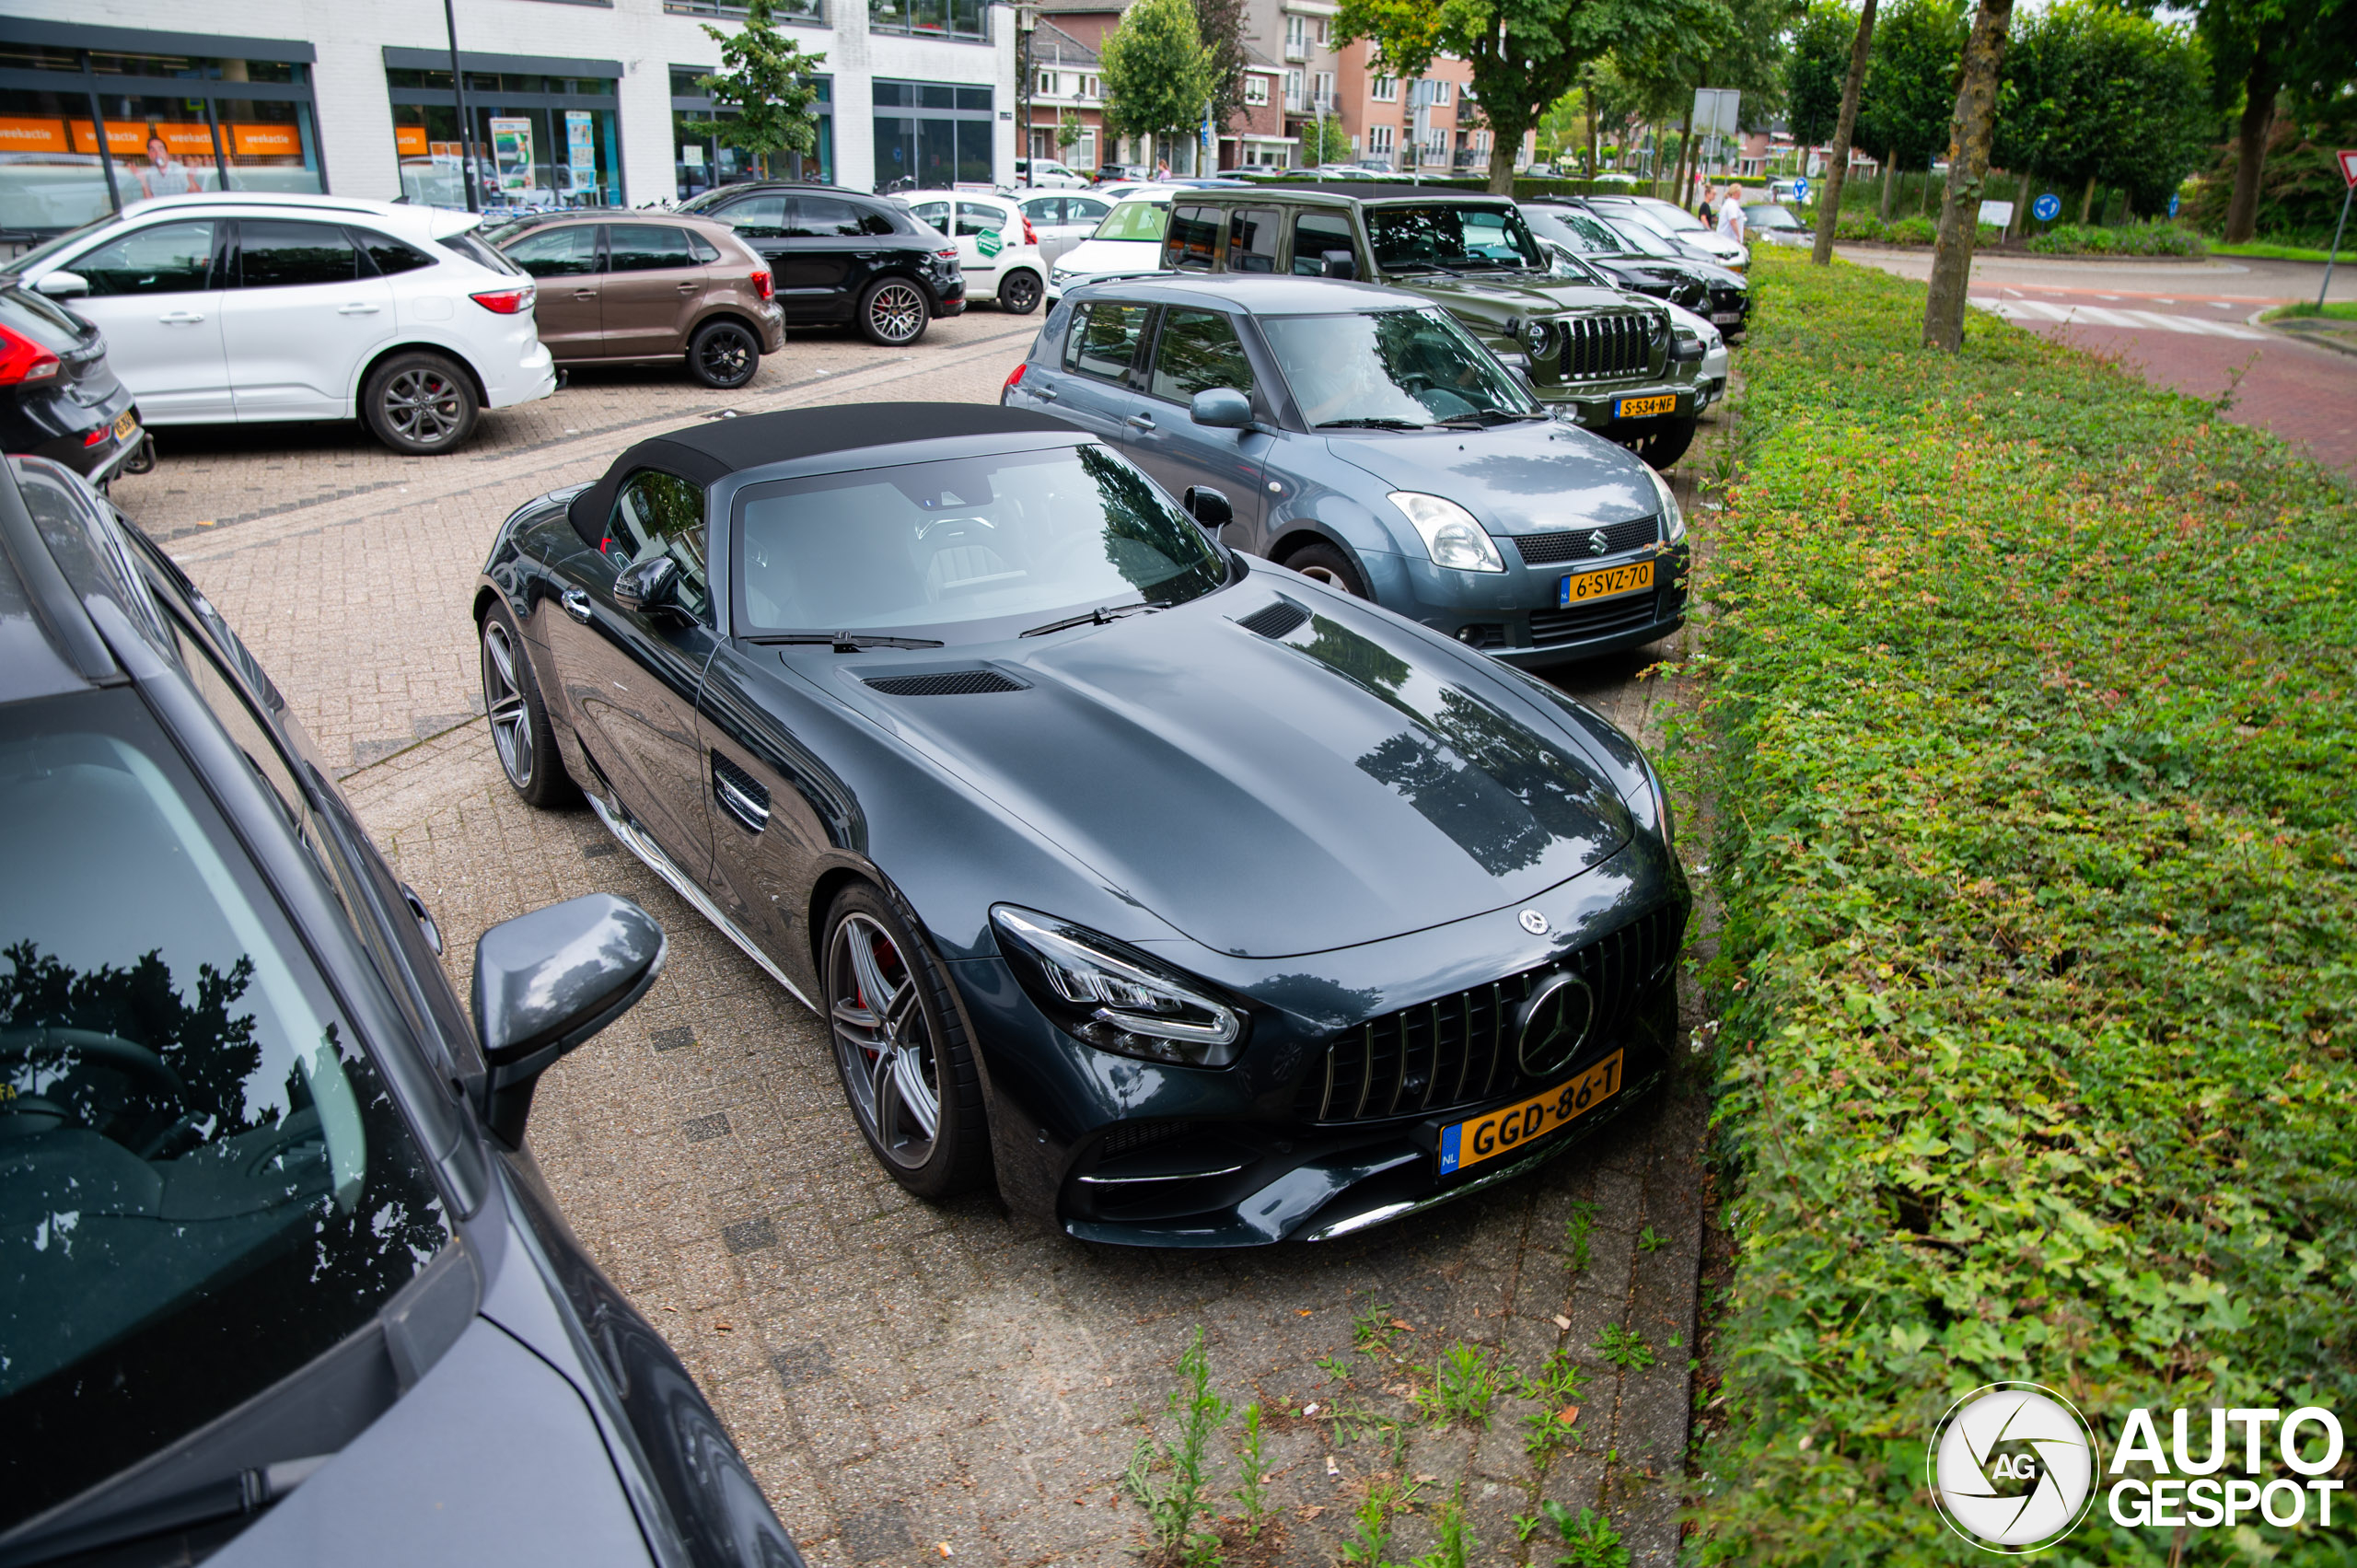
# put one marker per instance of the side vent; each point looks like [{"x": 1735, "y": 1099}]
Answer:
[
  {"x": 945, "y": 684},
  {"x": 1277, "y": 620}
]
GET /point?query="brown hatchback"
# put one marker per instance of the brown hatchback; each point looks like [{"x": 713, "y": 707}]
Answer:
[{"x": 623, "y": 287}]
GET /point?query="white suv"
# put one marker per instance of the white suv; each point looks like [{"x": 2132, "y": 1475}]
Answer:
[{"x": 251, "y": 306}]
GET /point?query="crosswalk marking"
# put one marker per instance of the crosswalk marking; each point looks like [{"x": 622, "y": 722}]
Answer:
[{"x": 2103, "y": 315}]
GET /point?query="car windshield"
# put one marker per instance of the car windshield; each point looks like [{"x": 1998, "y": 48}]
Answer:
[
  {"x": 204, "y": 1182},
  {"x": 1135, "y": 220},
  {"x": 977, "y": 546},
  {"x": 1637, "y": 237},
  {"x": 17, "y": 266},
  {"x": 1388, "y": 369},
  {"x": 1446, "y": 236},
  {"x": 1766, "y": 215},
  {"x": 1583, "y": 232},
  {"x": 1676, "y": 218}
]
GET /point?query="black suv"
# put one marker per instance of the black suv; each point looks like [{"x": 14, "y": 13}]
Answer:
[
  {"x": 1642, "y": 262},
  {"x": 277, "y": 1265},
  {"x": 842, "y": 256}
]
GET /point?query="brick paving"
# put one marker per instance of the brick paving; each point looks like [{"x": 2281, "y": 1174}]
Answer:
[{"x": 905, "y": 1376}]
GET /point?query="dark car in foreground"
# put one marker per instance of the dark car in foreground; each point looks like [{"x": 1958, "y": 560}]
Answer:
[
  {"x": 58, "y": 399},
  {"x": 844, "y": 257},
  {"x": 278, "y": 1281},
  {"x": 1366, "y": 440},
  {"x": 1642, "y": 262},
  {"x": 1192, "y": 900}
]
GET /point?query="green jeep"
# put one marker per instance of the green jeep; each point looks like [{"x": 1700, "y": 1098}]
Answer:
[{"x": 1607, "y": 360}]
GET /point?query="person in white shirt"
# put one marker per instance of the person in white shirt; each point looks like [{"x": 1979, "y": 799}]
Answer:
[
  {"x": 164, "y": 176},
  {"x": 1731, "y": 213}
]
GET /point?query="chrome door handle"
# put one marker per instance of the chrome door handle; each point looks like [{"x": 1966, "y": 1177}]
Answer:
[
  {"x": 585, "y": 294},
  {"x": 690, "y": 288},
  {"x": 180, "y": 319},
  {"x": 355, "y": 309},
  {"x": 1045, "y": 394},
  {"x": 1139, "y": 421},
  {"x": 576, "y": 604}
]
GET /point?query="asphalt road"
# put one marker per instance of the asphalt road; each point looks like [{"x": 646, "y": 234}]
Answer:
[
  {"x": 2189, "y": 326},
  {"x": 911, "y": 1381}
]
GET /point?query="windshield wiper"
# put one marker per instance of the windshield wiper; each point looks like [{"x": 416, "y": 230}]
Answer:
[
  {"x": 225, "y": 1497},
  {"x": 1100, "y": 616},
  {"x": 1484, "y": 418},
  {"x": 1372, "y": 425},
  {"x": 842, "y": 642},
  {"x": 1419, "y": 266}
]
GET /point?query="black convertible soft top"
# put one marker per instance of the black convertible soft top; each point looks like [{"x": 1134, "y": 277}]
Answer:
[{"x": 716, "y": 449}]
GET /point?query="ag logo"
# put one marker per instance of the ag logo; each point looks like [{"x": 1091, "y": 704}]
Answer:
[
  {"x": 1554, "y": 1024},
  {"x": 2011, "y": 1468}
]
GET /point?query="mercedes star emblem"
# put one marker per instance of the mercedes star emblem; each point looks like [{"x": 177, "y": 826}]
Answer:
[
  {"x": 1534, "y": 923},
  {"x": 1554, "y": 1024}
]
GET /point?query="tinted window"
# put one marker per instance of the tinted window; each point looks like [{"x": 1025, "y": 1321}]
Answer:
[
  {"x": 1197, "y": 351},
  {"x": 272, "y": 253},
  {"x": 171, "y": 258},
  {"x": 472, "y": 248},
  {"x": 204, "y": 1183},
  {"x": 1027, "y": 535},
  {"x": 827, "y": 217},
  {"x": 704, "y": 249},
  {"x": 647, "y": 248},
  {"x": 389, "y": 255},
  {"x": 1378, "y": 368},
  {"x": 1104, "y": 338},
  {"x": 1191, "y": 244},
  {"x": 1313, "y": 234},
  {"x": 1456, "y": 237},
  {"x": 1252, "y": 240},
  {"x": 660, "y": 514},
  {"x": 564, "y": 253},
  {"x": 763, "y": 217},
  {"x": 1044, "y": 209},
  {"x": 1583, "y": 232}
]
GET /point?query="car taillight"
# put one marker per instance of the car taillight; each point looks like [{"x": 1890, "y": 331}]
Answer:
[
  {"x": 763, "y": 282},
  {"x": 94, "y": 436},
  {"x": 1031, "y": 235},
  {"x": 505, "y": 301},
  {"x": 22, "y": 360},
  {"x": 948, "y": 255},
  {"x": 1013, "y": 377}
]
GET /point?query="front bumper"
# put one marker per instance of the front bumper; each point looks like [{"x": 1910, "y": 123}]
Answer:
[
  {"x": 1518, "y": 615},
  {"x": 1598, "y": 409}
]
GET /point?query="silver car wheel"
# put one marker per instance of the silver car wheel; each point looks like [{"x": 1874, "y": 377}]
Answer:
[
  {"x": 882, "y": 1041},
  {"x": 502, "y": 701},
  {"x": 422, "y": 405},
  {"x": 896, "y": 312}
]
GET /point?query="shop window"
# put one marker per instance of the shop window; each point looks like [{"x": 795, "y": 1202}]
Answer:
[{"x": 942, "y": 18}]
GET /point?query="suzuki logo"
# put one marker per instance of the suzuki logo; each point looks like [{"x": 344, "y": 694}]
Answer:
[{"x": 1598, "y": 542}]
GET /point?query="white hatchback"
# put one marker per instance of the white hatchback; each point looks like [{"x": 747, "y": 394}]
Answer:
[
  {"x": 252, "y": 307},
  {"x": 1045, "y": 174},
  {"x": 998, "y": 250},
  {"x": 1127, "y": 243},
  {"x": 1063, "y": 220}
]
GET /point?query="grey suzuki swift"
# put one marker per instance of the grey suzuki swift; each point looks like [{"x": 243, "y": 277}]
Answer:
[{"x": 1365, "y": 438}]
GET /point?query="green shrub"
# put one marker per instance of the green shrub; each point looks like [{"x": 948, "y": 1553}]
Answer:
[
  {"x": 2034, "y": 700},
  {"x": 2134, "y": 239}
]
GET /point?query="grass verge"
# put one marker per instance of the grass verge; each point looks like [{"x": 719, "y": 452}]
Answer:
[
  {"x": 2307, "y": 310},
  {"x": 2265, "y": 250},
  {"x": 2033, "y": 698}
]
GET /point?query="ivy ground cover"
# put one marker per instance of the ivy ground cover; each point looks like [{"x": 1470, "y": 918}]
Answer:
[{"x": 2033, "y": 703}]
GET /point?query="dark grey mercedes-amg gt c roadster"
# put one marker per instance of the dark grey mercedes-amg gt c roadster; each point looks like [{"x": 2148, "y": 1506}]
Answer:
[{"x": 1192, "y": 902}]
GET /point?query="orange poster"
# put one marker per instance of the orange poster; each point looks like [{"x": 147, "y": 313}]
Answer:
[
  {"x": 18, "y": 136},
  {"x": 408, "y": 140},
  {"x": 263, "y": 140},
  {"x": 128, "y": 138}
]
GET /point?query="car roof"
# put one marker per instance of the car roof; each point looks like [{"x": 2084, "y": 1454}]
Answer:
[
  {"x": 435, "y": 223},
  {"x": 1343, "y": 190},
  {"x": 707, "y": 453},
  {"x": 1257, "y": 294}
]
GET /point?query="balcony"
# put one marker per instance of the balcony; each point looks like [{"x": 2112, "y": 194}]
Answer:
[{"x": 1296, "y": 49}]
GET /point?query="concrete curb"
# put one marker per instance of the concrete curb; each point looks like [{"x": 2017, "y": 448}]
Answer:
[{"x": 1979, "y": 254}]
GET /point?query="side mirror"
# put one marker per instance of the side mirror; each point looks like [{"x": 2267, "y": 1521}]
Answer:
[
  {"x": 1517, "y": 360},
  {"x": 63, "y": 285},
  {"x": 546, "y": 982},
  {"x": 1339, "y": 264},
  {"x": 1209, "y": 507},
  {"x": 1222, "y": 408},
  {"x": 649, "y": 587}
]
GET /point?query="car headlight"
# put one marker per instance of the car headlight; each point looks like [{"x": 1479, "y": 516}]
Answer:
[
  {"x": 1059, "y": 275},
  {"x": 1452, "y": 538},
  {"x": 1115, "y": 999},
  {"x": 1673, "y": 517},
  {"x": 1534, "y": 338}
]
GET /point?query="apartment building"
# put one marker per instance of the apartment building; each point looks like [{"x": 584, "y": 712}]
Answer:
[{"x": 1067, "y": 90}]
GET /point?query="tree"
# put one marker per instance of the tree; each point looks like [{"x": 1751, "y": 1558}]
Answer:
[
  {"x": 1525, "y": 53},
  {"x": 1156, "y": 73},
  {"x": 1970, "y": 128},
  {"x": 1910, "y": 94},
  {"x": 1323, "y": 140},
  {"x": 1069, "y": 130},
  {"x": 1837, "y": 170},
  {"x": 1220, "y": 25},
  {"x": 1815, "y": 66},
  {"x": 2097, "y": 95},
  {"x": 2263, "y": 46},
  {"x": 765, "y": 77}
]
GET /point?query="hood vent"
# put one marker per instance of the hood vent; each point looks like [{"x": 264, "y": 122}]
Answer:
[
  {"x": 1579, "y": 543},
  {"x": 1277, "y": 620},
  {"x": 945, "y": 684}
]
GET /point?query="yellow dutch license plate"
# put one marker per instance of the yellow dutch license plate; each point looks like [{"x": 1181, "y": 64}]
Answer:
[
  {"x": 127, "y": 427},
  {"x": 1585, "y": 588},
  {"x": 1503, "y": 1131},
  {"x": 1644, "y": 408}
]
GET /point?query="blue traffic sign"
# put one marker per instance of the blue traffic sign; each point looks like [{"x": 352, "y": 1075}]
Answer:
[
  {"x": 1800, "y": 189},
  {"x": 2044, "y": 207},
  {"x": 2172, "y": 206}
]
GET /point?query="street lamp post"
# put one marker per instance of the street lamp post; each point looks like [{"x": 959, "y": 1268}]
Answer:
[
  {"x": 1025, "y": 19},
  {"x": 459, "y": 97}
]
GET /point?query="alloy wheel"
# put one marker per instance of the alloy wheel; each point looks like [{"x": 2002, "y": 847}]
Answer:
[
  {"x": 883, "y": 1042},
  {"x": 502, "y": 701},
  {"x": 422, "y": 405},
  {"x": 897, "y": 311},
  {"x": 725, "y": 358}
]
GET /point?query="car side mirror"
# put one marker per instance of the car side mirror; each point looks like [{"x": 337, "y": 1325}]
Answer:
[
  {"x": 546, "y": 982},
  {"x": 1209, "y": 507},
  {"x": 1222, "y": 408},
  {"x": 1338, "y": 264},
  {"x": 63, "y": 285},
  {"x": 650, "y": 587},
  {"x": 1517, "y": 360}
]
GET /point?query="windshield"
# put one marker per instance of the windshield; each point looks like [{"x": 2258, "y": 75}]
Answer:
[
  {"x": 1768, "y": 216},
  {"x": 1135, "y": 220},
  {"x": 1676, "y": 219},
  {"x": 978, "y": 545},
  {"x": 1637, "y": 237},
  {"x": 204, "y": 1183},
  {"x": 1391, "y": 369},
  {"x": 1583, "y": 232},
  {"x": 1448, "y": 237},
  {"x": 15, "y": 266}
]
